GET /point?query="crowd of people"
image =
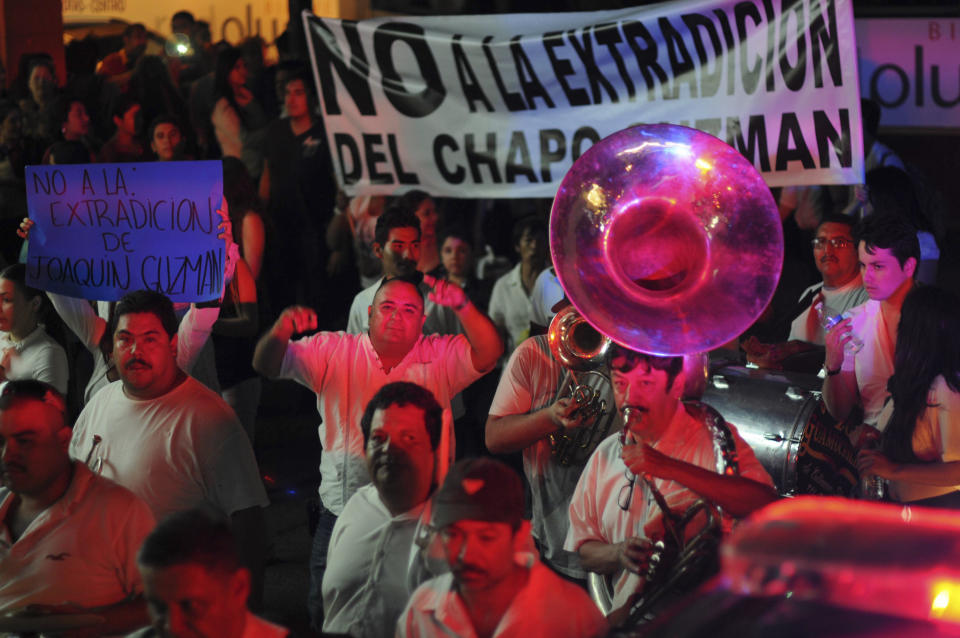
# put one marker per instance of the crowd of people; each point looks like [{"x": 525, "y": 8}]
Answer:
[{"x": 131, "y": 489}]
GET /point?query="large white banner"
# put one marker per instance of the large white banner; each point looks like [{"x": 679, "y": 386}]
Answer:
[
  {"x": 501, "y": 105},
  {"x": 911, "y": 68}
]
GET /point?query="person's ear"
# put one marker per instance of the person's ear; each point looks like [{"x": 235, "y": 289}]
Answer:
[
  {"x": 369, "y": 311},
  {"x": 173, "y": 344},
  {"x": 377, "y": 250},
  {"x": 239, "y": 589},
  {"x": 64, "y": 435},
  {"x": 522, "y": 538},
  {"x": 910, "y": 267}
]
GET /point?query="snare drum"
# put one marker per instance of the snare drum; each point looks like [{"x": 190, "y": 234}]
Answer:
[{"x": 782, "y": 417}]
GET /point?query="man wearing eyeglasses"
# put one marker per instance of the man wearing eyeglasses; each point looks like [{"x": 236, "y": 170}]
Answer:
[
  {"x": 68, "y": 537},
  {"x": 835, "y": 255},
  {"x": 614, "y": 514}
]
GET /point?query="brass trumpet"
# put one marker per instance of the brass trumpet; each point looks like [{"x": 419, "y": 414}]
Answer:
[{"x": 580, "y": 348}]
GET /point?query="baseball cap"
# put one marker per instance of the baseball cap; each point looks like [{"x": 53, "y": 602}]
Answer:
[{"x": 479, "y": 489}]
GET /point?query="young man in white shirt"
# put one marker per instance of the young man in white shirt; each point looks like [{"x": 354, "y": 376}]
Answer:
[
  {"x": 365, "y": 584},
  {"x": 495, "y": 587},
  {"x": 889, "y": 252}
]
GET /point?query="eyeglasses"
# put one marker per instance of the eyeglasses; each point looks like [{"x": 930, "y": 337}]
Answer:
[
  {"x": 626, "y": 492},
  {"x": 837, "y": 242}
]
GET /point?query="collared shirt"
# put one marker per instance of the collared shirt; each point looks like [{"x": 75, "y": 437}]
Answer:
[
  {"x": 547, "y": 606},
  {"x": 530, "y": 382},
  {"x": 835, "y": 301},
  {"x": 37, "y": 356},
  {"x": 595, "y": 510},
  {"x": 365, "y": 583},
  {"x": 82, "y": 550},
  {"x": 345, "y": 372},
  {"x": 440, "y": 320},
  {"x": 873, "y": 365},
  {"x": 510, "y": 307},
  {"x": 183, "y": 450}
]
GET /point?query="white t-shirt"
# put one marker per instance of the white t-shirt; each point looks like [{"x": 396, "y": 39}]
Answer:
[
  {"x": 936, "y": 438},
  {"x": 873, "y": 365},
  {"x": 344, "y": 371},
  {"x": 835, "y": 301},
  {"x": 82, "y": 550},
  {"x": 440, "y": 319},
  {"x": 510, "y": 308},
  {"x": 530, "y": 382},
  {"x": 38, "y": 356},
  {"x": 595, "y": 511},
  {"x": 183, "y": 450},
  {"x": 365, "y": 583},
  {"x": 545, "y": 295},
  {"x": 546, "y": 607}
]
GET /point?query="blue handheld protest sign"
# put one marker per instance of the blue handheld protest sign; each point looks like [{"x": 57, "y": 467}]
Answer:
[{"x": 103, "y": 230}]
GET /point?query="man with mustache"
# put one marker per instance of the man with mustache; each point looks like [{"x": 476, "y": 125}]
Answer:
[
  {"x": 496, "y": 586},
  {"x": 835, "y": 255},
  {"x": 889, "y": 252},
  {"x": 345, "y": 371},
  {"x": 614, "y": 517},
  {"x": 365, "y": 584},
  {"x": 68, "y": 538},
  {"x": 167, "y": 438},
  {"x": 397, "y": 245}
]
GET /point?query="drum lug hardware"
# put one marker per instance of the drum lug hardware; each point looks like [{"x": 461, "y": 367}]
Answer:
[
  {"x": 720, "y": 382},
  {"x": 795, "y": 393},
  {"x": 773, "y": 436}
]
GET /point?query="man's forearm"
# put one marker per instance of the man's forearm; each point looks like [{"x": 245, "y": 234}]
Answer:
[
  {"x": 600, "y": 557},
  {"x": 840, "y": 394},
  {"x": 514, "y": 432},
  {"x": 268, "y": 356},
  {"x": 736, "y": 495},
  {"x": 485, "y": 344}
]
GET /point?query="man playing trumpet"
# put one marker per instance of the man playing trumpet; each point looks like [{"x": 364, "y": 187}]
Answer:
[{"x": 614, "y": 515}]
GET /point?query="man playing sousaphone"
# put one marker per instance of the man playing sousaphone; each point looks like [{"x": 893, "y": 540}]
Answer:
[{"x": 615, "y": 519}]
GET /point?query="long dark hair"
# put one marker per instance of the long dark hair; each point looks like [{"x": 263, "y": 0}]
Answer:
[
  {"x": 226, "y": 60},
  {"x": 928, "y": 346}
]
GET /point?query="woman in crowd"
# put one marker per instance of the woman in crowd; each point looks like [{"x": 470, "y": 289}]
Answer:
[
  {"x": 38, "y": 97},
  {"x": 26, "y": 350},
  {"x": 458, "y": 264},
  {"x": 236, "y": 113},
  {"x": 73, "y": 122},
  {"x": 234, "y": 333},
  {"x": 920, "y": 454}
]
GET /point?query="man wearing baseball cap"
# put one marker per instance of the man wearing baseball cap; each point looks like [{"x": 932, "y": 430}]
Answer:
[{"x": 495, "y": 585}]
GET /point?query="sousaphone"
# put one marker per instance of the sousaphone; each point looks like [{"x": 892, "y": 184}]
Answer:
[{"x": 668, "y": 241}]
